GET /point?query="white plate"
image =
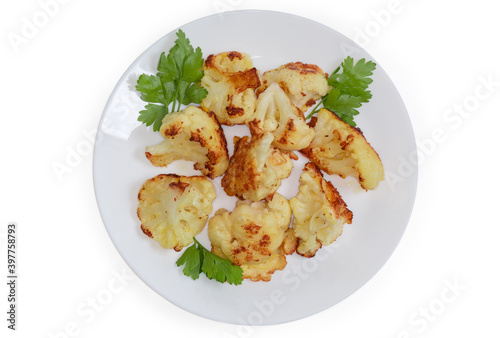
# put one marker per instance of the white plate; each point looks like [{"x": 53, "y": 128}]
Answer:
[{"x": 305, "y": 286}]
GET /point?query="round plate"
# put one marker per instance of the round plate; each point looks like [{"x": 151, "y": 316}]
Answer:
[{"x": 305, "y": 286}]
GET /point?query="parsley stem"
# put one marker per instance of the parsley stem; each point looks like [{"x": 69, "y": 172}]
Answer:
[
  {"x": 176, "y": 96},
  {"x": 198, "y": 245},
  {"x": 315, "y": 110}
]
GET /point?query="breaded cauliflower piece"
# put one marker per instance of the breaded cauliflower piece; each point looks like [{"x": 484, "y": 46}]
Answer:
[
  {"x": 173, "y": 209},
  {"x": 303, "y": 83},
  {"x": 290, "y": 242},
  {"x": 252, "y": 236},
  {"x": 192, "y": 135},
  {"x": 230, "y": 80},
  {"x": 275, "y": 113},
  {"x": 319, "y": 212},
  {"x": 338, "y": 148},
  {"x": 256, "y": 168}
]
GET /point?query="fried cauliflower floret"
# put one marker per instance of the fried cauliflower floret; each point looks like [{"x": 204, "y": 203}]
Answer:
[
  {"x": 290, "y": 242},
  {"x": 192, "y": 135},
  {"x": 256, "y": 168},
  {"x": 173, "y": 209},
  {"x": 230, "y": 80},
  {"x": 275, "y": 113},
  {"x": 338, "y": 148},
  {"x": 252, "y": 236},
  {"x": 303, "y": 83},
  {"x": 319, "y": 212}
]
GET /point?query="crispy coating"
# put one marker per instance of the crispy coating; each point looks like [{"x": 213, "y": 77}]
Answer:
[
  {"x": 252, "y": 236},
  {"x": 319, "y": 212},
  {"x": 303, "y": 83},
  {"x": 275, "y": 113},
  {"x": 229, "y": 62},
  {"x": 290, "y": 242},
  {"x": 256, "y": 168},
  {"x": 173, "y": 209},
  {"x": 192, "y": 135},
  {"x": 338, "y": 148},
  {"x": 230, "y": 80}
]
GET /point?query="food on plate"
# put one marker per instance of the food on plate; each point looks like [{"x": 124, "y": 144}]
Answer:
[
  {"x": 319, "y": 212},
  {"x": 251, "y": 241},
  {"x": 338, "y": 148},
  {"x": 230, "y": 80},
  {"x": 349, "y": 89},
  {"x": 176, "y": 82},
  {"x": 256, "y": 168},
  {"x": 197, "y": 259},
  {"x": 173, "y": 209},
  {"x": 303, "y": 83},
  {"x": 192, "y": 135},
  {"x": 275, "y": 113},
  {"x": 290, "y": 241},
  {"x": 252, "y": 236}
]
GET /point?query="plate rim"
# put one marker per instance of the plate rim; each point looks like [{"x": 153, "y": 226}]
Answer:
[{"x": 122, "y": 78}]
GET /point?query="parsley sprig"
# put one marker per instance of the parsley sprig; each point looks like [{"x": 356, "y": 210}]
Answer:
[
  {"x": 196, "y": 259},
  {"x": 350, "y": 89},
  {"x": 176, "y": 82}
]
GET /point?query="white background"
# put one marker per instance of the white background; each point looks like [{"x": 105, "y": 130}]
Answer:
[{"x": 55, "y": 84}]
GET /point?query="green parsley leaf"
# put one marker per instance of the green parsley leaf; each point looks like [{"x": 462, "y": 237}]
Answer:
[
  {"x": 344, "y": 105},
  {"x": 176, "y": 83},
  {"x": 354, "y": 79},
  {"x": 195, "y": 93},
  {"x": 350, "y": 89},
  {"x": 152, "y": 115},
  {"x": 221, "y": 269},
  {"x": 197, "y": 259},
  {"x": 192, "y": 259},
  {"x": 167, "y": 68},
  {"x": 150, "y": 87},
  {"x": 191, "y": 70}
]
